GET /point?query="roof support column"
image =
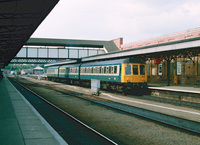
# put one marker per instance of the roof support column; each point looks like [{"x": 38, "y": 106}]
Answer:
[{"x": 168, "y": 71}]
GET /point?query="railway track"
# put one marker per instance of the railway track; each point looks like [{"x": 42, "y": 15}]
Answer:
[
  {"x": 163, "y": 119},
  {"x": 71, "y": 129},
  {"x": 169, "y": 120}
]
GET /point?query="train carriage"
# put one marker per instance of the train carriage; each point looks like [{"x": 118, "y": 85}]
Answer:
[
  {"x": 104, "y": 71},
  {"x": 122, "y": 74},
  {"x": 52, "y": 72},
  {"x": 69, "y": 73}
]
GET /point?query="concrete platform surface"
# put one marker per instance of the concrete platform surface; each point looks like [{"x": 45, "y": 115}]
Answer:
[
  {"x": 20, "y": 123},
  {"x": 186, "y": 89}
]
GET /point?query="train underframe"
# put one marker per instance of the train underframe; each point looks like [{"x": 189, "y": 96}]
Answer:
[{"x": 125, "y": 88}]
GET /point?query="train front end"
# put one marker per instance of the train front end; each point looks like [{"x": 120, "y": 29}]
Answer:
[{"x": 134, "y": 76}]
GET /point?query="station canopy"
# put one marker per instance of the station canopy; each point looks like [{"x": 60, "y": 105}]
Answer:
[
  {"x": 109, "y": 46},
  {"x": 18, "y": 20}
]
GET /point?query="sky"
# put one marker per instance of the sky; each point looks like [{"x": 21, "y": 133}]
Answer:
[{"x": 132, "y": 20}]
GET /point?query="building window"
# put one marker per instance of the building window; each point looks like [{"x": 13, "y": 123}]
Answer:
[
  {"x": 171, "y": 69},
  {"x": 199, "y": 68},
  {"x": 178, "y": 71}
]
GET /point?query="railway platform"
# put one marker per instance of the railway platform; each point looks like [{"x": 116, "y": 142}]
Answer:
[
  {"x": 176, "y": 92},
  {"x": 177, "y": 88},
  {"x": 20, "y": 123}
]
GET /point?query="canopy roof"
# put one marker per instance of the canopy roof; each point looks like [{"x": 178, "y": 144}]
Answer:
[
  {"x": 109, "y": 46},
  {"x": 18, "y": 20}
]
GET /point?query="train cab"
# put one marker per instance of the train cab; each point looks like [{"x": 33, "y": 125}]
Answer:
[{"x": 134, "y": 75}]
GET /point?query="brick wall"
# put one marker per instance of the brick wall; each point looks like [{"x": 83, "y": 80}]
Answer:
[{"x": 118, "y": 42}]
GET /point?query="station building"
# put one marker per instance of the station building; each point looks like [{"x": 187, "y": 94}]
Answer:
[{"x": 184, "y": 70}]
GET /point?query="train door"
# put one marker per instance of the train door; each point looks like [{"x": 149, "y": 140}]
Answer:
[
  {"x": 127, "y": 72},
  {"x": 143, "y": 73},
  {"x": 136, "y": 73}
]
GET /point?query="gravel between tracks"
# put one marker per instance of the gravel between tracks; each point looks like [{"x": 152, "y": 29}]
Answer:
[{"x": 118, "y": 126}]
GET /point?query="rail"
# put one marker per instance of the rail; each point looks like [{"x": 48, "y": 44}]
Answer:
[{"x": 44, "y": 107}]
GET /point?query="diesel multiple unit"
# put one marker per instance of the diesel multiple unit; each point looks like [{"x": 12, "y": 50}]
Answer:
[{"x": 122, "y": 75}]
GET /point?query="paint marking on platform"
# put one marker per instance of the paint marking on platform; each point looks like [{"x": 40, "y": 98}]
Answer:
[{"x": 176, "y": 90}]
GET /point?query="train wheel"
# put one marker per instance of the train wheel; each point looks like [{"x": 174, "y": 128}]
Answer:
[{"x": 124, "y": 90}]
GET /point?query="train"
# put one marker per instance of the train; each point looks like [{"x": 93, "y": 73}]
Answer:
[{"x": 122, "y": 75}]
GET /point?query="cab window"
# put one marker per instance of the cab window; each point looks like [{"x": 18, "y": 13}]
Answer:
[
  {"x": 128, "y": 69},
  {"x": 135, "y": 69},
  {"x": 142, "y": 70}
]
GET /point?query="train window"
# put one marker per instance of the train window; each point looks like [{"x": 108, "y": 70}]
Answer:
[
  {"x": 87, "y": 70},
  {"x": 135, "y": 69},
  {"x": 95, "y": 70},
  {"x": 142, "y": 70},
  {"x": 110, "y": 68},
  {"x": 99, "y": 70},
  {"x": 128, "y": 69},
  {"x": 61, "y": 70},
  {"x": 91, "y": 70},
  {"x": 104, "y": 69},
  {"x": 115, "y": 69},
  {"x": 82, "y": 70},
  {"x": 107, "y": 70}
]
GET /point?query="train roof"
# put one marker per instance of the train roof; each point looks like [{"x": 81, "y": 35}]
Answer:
[
  {"x": 113, "y": 62},
  {"x": 53, "y": 67},
  {"x": 106, "y": 62},
  {"x": 70, "y": 65}
]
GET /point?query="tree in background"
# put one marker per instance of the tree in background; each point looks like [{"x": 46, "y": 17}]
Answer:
[{"x": 19, "y": 67}]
